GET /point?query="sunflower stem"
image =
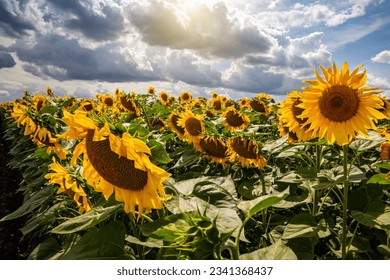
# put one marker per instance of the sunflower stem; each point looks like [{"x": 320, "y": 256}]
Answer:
[
  {"x": 345, "y": 203},
  {"x": 316, "y": 193}
]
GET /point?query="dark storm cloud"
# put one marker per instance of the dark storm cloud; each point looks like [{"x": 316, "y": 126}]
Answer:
[
  {"x": 6, "y": 60},
  {"x": 62, "y": 58},
  {"x": 108, "y": 24},
  {"x": 12, "y": 19}
]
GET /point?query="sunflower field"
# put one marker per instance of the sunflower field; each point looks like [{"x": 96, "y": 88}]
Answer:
[{"x": 153, "y": 176}]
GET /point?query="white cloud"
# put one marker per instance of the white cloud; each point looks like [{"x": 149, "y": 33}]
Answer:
[{"x": 383, "y": 57}]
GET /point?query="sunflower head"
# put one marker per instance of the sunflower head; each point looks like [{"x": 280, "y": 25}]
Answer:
[
  {"x": 259, "y": 106},
  {"x": 339, "y": 106},
  {"x": 108, "y": 100},
  {"x": 246, "y": 152},
  {"x": 214, "y": 149},
  {"x": 87, "y": 105},
  {"x": 216, "y": 104},
  {"x": 185, "y": 97},
  {"x": 151, "y": 90},
  {"x": 192, "y": 124},
  {"x": 173, "y": 120},
  {"x": 129, "y": 105},
  {"x": 164, "y": 97},
  {"x": 49, "y": 92},
  {"x": 39, "y": 102},
  {"x": 385, "y": 150},
  {"x": 234, "y": 120}
]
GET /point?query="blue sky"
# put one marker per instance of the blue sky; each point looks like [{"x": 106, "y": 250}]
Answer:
[{"x": 236, "y": 48}]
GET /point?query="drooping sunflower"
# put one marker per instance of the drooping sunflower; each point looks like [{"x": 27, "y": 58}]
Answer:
[
  {"x": 246, "y": 152},
  {"x": 385, "y": 106},
  {"x": 385, "y": 150},
  {"x": 38, "y": 101},
  {"x": 284, "y": 130},
  {"x": 235, "y": 120},
  {"x": 49, "y": 92},
  {"x": 259, "y": 106},
  {"x": 114, "y": 164},
  {"x": 193, "y": 126},
  {"x": 164, "y": 97},
  {"x": 44, "y": 138},
  {"x": 128, "y": 104},
  {"x": 87, "y": 105},
  {"x": 339, "y": 106},
  {"x": 289, "y": 117},
  {"x": 214, "y": 149},
  {"x": 69, "y": 185},
  {"x": 185, "y": 97},
  {"x": 173, "y": 120}
]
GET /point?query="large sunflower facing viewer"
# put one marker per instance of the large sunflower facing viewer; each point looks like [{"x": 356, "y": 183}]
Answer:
[
  {"x": 340, "y": 106},
  {"x": 114, "y": 164}
]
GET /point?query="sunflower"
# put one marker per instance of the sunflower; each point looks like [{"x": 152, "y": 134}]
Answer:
[
  {"x": 263, "y": 96},
  {"x": 228, "y": 103},
  {"x": 216, "y": 104},
  {"x": 234, "y": 120},
  {"x": 214, "y": 149},
  {"x": 128, "y": 104},
  {"x": 164, "y": 97},
  {"x": 114, "y": 164},
  {"x": 68, "y": 184},
  {"x": 284, "y": 130},
  {"x": 108, "y": 100},
  {"x": 259, "y": 106},
  {"x": 244, "y": 103},
  {"x": 44, "y": 138},
  {"x": 385, "y": 106},
  {"x": 49, "y": 92},
  {"x": 151, "y": 90},
  {"x": 87, "y": 105},
  {"x": 289, "y": 117},
  {"x": 340, "y": 106},
  {"x": 39, "y": 101},
  {"x": 385, "y": 150},
  {"x": 193, "y": 126},
  {"x": 246, "y": 152},
  {"x": 173, "y": 120},
  {"x": 185, "y": 97},
  {"x": 214, "y": 94}
]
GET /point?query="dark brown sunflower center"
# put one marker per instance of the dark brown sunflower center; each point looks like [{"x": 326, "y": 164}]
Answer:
[
  {"x": 185, "y": 96},
  {"x": 193, "y": 126},
  {"x": 234, "y": 119},
  {"x": 244, "y": 148},
  {"x": 164, "y": 97},
  {"x": 214, "y": 148},
  {"x": 175, "y": 119},
  {"x": 258, "y": 106},
  {"x": 109, "y": 102},
  {"x": 127, "y": 103},
  {"x": 297, "y": 111},
  {"x": 39, "y": 105},
  {"x": 339, "y": 103},
  {"x": 217, "y": 105},
  {"x": 88, "y": 106},
  {"x": 119, "y": 171}
]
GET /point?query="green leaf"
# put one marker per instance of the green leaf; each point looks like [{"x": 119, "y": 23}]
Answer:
[
  {"x": 106, "y": 243},
  {"x": 377, "y": 216},
  {"x": 87, "y": 220},
  {"x": 277, "y": 251},
  {"x": 379, "y": 179},
  {"x": 302, "y": 247},
  {"x": 45, "y": 250},
  {"x": 363, "y": 143},
  {"x": 150, "y": 243},
  {"x": 251, "y": 207},
  {"x": 32, "y": 203},
  {"x": 384, "y": 250},
  {"x": 159, "y": 154},
  {"x": 48, "y": 110},
  {"x": 298, "y": 195},
  {"x": 301, "y": 225},
  {"x": 42, "y": 218}
]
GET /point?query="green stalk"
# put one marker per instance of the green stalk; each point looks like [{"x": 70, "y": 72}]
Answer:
[
  {"x": 318, "y": 167},
  {"x": 345, "y": 203}
]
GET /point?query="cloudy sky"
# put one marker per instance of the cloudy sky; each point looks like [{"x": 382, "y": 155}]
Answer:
[{"x": 237, "y": 48}]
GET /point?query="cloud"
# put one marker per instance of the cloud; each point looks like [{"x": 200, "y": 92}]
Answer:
[
  {"x": 62, "y": 58},
  {"x": 99, "y": 21},
  {"x": 382, "y": 57},
  {"x": 14, "y": 18},
  {"x": 185, "y": 67},
  {"x": 208, "y": 31},
  {"x": 6, "y": 60}
]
